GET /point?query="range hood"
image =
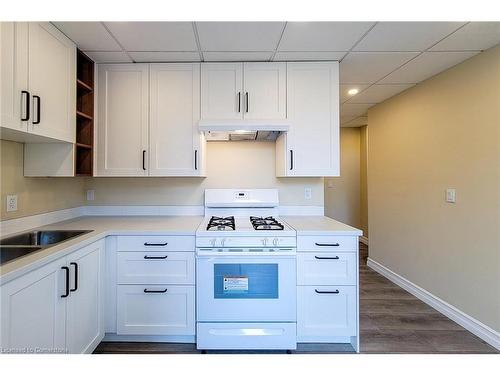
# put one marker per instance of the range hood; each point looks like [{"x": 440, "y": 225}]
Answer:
[{"x": 243, "y": 130}]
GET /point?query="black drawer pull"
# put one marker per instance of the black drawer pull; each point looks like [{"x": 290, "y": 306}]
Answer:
[
  {"x": 155, "y": 244},
  {"x": 334, "y": 258},
  {"x": 158, "y": 257},
  {"x": 76, "y": 277},
  {"x": 336, "y": 291},
  {"x": 155, "y": 291},
  {"x": 327, "y": 244}
]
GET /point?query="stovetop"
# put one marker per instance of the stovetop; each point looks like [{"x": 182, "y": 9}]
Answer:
[{"x": 244, "y": 226}]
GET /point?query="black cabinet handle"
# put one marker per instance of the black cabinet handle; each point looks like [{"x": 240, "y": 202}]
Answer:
[
  {"x": 239, "y": 102},
  {"x": 39, "y": 103},
  {"x": 291, "y": 159},
  {"x": 334, "y": 258},
  {"x": 327, "y": 244},
  {"x": 27, "y": 109},
  {"x": 76, "y": 276},
  {"x": 157, "y": 257},
  {"x": 155, "y": 244},
  {"x": 195, "y": 160},
  {"x": 66, "y": 270},
  {"x": 246, "y": 106},
  {"x": 143, "y": 160},
  {"x": 327, "y": 291},
  {"x": 155, "y": 291}
]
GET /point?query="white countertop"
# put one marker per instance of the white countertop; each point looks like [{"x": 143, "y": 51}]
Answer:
[
  {"x": 101, "y": 227},
  {"x": 320, "y": 225}
]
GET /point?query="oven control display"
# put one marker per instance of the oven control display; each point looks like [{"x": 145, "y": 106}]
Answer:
[{"x": 235, "y": 284}]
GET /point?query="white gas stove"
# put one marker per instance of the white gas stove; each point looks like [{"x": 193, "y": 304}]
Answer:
[{"x": 245, "y": 272}]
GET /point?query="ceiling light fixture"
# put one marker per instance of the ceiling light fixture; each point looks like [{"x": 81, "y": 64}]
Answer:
[{"x": 353, "y": 91}]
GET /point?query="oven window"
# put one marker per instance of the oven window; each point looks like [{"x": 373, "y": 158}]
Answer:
[{"x": 244, "y": 280}]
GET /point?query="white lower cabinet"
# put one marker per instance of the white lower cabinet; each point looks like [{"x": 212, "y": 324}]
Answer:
[
  {"x": 56, "y": 308},
  {"x": 155, "y": 310},
  {"x": 324, "y": 312},
  {"x": 33, "y": 312}
]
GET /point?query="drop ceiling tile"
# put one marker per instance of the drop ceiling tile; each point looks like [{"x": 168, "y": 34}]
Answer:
[
  {"x": 322, "y": 36},
  {"x": 344, "y": 96},
  {"x": 426, "y": 65},
  {"x": 405, "y": 36},
  {"x": 474, "y": 36},
  {"x": 346, "y": 119},
  {"x": 164, "y": 56},
  {"x": 89, "y": 36},
  {"x": 154, "y": 36},
  {"x": 237, "y": 56},
  {"x": 347, "y": 109},
  {"x": 356, "y": 122},
  {"x": 239, "y": 36},
  {"x": 378, "y": 93},
  {"x": 369, "y": 67},
  {"x": 108, "y": 57},
  {"x": 308, "y": 56}
]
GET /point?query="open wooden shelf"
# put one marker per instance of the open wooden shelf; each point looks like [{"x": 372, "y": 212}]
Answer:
[{"x": 84, "y": 150}]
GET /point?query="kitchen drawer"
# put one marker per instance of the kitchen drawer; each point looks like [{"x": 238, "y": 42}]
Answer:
[
  {"x": 155, "y": 310},
  {"x": 325, "y": 312},
  {"x": 242, "y": 335},
  {"x": 326, "y": 268},
  {"x": 145, "y": 267},
  {"x": 156, "y": 243},
  {"x": 327, "y": 243}
]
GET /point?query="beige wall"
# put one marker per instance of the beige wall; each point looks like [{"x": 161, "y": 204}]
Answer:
[
  {"x": 363, "y": 180},
  {"x": 342, "y": 194},
  {"x": 229, "y": 165},
  {"x": 35, "y": 195},
  {"x": 443, "y": 133}
]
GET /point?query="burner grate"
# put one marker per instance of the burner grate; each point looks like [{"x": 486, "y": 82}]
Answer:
[
  {"x": 266, "y": 223},
  {"x": 221, "y": 223}
]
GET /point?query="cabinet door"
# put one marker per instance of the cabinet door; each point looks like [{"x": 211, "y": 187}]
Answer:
[
  {"x": 325, "y": 313},
  {"x": 222, "y": 91},
  {"x": 33, "y": 311},
  {"x": 84, "y": 324},
  {"x": 176, "y": 144},
  {"x": 122, "y": 139},
  {"x": 264, "y": 90},
  {"x": 14, "y": 75},
  {"x": 52, "y": 73},
  {"x": 155, "y": 310},
  {"x": 311, "y": 146}
]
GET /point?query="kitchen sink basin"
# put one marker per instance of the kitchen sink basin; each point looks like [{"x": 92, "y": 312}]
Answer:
[{"x": 26, "y": 243}]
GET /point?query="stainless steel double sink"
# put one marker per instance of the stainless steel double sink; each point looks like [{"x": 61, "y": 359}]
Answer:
[{"x": 14, "y": 247}]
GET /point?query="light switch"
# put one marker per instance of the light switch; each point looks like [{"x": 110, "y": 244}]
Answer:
[
  {"x": 90, "y": 195},
  {"x": 451, "y": 196},
  {"x": 329, "y": 183}
]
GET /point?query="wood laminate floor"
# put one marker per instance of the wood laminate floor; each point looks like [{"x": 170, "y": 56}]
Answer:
[{"x": 391, "y": 321}]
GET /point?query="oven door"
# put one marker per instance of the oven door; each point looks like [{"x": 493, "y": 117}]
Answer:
[{"x": 246, "y": 289}]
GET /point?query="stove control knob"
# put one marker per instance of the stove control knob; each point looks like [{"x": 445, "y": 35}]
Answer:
[
  {"x": 212, "y": 242},
  {"x": 264, "y": 241},
  {"x": 275, "y": 242},
  {"x": 222, "y": 241}
]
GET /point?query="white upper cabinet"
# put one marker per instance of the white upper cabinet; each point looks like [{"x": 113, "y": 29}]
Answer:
[
  {"x": 176, "y": 145},
  {"x": 222, "y": 91},
  {"x": 122, "y": 130},
  {"x": 14, "y": 95},
  {"x": 237, "y": 91},
  {"x": 52, "y": 82},
  {"x": 265, "y": 91},
  {"x": 38, "y": 85},
  {"x": 311, "y": 146}
]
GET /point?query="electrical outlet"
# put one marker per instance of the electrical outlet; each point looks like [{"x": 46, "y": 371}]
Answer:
[
  {"x": 307, "y": 193},
  {"x": 329, "y": 183},
  {"x": 90, "y": 195},
  {"x": 11, "y": 203}
]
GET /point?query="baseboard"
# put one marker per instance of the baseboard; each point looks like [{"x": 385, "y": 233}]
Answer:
[
  {"x": 471, "y": 324},
  {"x": 364, "y": 240}
]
